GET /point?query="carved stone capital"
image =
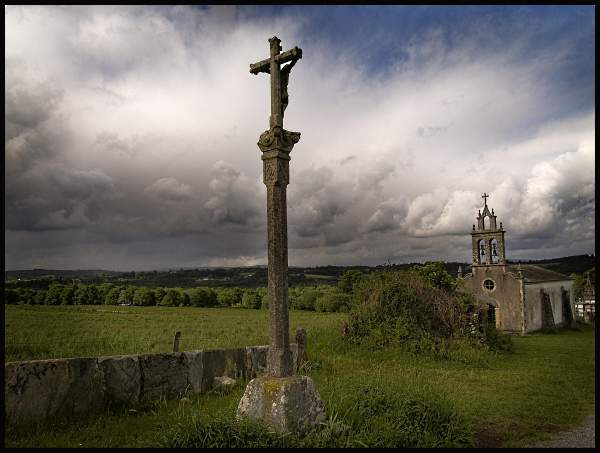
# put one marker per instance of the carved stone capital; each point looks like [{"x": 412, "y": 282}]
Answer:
[{"x": 277, "y": 140}]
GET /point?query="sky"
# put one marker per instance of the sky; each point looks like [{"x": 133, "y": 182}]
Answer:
[{"x": 130, "y": 133}]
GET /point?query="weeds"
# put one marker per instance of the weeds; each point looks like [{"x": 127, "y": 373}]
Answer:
[{"x": 372, "y": 416}]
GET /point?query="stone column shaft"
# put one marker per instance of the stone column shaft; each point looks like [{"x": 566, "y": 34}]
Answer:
[
  {"x": 276, "y": 144},
  {"x": 279, "y": 362}
]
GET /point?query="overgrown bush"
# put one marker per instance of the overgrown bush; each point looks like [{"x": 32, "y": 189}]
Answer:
[
  {"x": 171, "y": 299},
  {"x": 251, "y": 299},
  {"x": 306, "y": 301},
  {"x": 228, "y": 297},
  {"x": 203, "y": 297},
  {"x": 332, "y": 302},
  {"x": 408, "y": 309}
]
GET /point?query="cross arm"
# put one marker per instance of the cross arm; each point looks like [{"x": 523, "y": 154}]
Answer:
[{"x": 265, "y": 65}]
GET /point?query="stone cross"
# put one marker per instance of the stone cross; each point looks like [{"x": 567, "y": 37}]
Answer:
[
  {"x": 485, "y": 196},
  {"x": 279, "y": 77},
  {"x": 276, "y": 145},
  {"x": 287, "y": 402}
]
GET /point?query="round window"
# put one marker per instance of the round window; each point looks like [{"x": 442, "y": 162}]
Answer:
[{"x": 489, "y": 284}]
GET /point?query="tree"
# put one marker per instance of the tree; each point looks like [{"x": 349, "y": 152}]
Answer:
[
  {"x": 112, "y": 297},
  {"x": 185, "y": 299},
  {"x": 143, "y": 297},
  {"x": 80, "y": 296},
  {"x": 228, "y": 297},
  {"x": 67, "y": 296},
  {"x": 436, "y": 274},
  {"x": 92, "y": 295},
  {"x": 159, "y": 293},
  {"x": 333, "y": 301},
  {"x": 203, "y": 297},
  {"x": 348, "y": 280},
  {"x": 11, "y": 296},
  {"x": 171, "y": 299},
  {"x": 251, "y": 299},
  {"x": 27, "y": 296},
  {"x": 124, "y": 298},
  {"x": 53, "y": 295},
  {"x": 307, "y": 300}
]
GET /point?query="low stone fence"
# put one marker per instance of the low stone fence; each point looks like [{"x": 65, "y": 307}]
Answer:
[{"x": 63, "y": 388}]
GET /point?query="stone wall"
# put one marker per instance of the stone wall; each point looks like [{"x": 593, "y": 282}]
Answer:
[
  {"x": 505, "y": 296},
  {"x": 533, "y": 303},
  {"x": 64, "y": 388}
]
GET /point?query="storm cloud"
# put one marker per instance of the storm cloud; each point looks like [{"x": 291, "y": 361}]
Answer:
[{"x": 131, "y": 134}]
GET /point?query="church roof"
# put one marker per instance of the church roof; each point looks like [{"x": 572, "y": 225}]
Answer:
[{"x": 536, "y": 274}]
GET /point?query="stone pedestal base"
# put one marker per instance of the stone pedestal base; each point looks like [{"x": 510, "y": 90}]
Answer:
[{"x": 289, "y": 404}]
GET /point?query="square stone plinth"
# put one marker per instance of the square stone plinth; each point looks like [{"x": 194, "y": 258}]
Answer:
[{"x": 289, "y": 404}]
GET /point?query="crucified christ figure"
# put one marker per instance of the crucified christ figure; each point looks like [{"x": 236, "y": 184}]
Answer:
[{"x": 285, "y": 76}]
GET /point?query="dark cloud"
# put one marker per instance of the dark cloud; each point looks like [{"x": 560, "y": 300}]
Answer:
[
  {"x": 170, "y": 189},
  {"x": 131, "y": 135},
  {"x": 234, "y": 198}
]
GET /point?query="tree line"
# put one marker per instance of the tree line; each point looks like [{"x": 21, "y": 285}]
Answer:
[{"x": 325, "y": 298}]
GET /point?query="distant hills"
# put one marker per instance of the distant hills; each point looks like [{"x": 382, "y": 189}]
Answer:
[{"x": 247, "y": 276}]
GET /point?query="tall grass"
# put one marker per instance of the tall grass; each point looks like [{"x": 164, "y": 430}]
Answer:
[
  {"x": 370, "y": 415},
  {"x": 43, "y": 332}
]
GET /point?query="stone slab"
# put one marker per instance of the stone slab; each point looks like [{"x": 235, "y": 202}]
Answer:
[
  {"x": 289, "y": 404},
  {"x": 163, "y": 375},
  {"x": 195, "y": 369},
  {"x": 52, "y": 388},
  {"x": 122, "y": 378}
]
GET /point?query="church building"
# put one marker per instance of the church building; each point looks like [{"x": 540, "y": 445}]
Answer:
[{"x": 520, "y": 298}]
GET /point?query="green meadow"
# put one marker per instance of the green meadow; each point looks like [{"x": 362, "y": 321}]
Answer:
[{"x": 372, "y": 397}]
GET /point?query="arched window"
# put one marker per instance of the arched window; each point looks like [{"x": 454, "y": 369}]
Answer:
[
  {"x": 494, "y": 251},
  {"x": 486, "y": 222},
  {"x": 481, "y": 251}
]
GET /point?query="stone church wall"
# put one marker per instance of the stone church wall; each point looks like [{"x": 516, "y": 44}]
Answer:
[
  {"x": 533, "y": 303},
  {"x": 506, "y": 295}
]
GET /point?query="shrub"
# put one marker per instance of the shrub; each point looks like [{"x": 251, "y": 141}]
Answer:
[
  {"x": 409, "y": 310},
  {"x": 228, "y": 297},
  {"x": 112, "y": 297},
  {"x": 184, "y": 299},
  {"x": 203, "y": 297},
  {"x": 144, "y": 297},
  {"x": 171, "y": 299},
  {"x": 68, "y": 295},
  {"x": 251, "y": 299},
  {"x": 346, "y": 283},
  {"x": 332, "y": 301},
  {"x": 11, "y": 296},
  {"x": 53, "y": 295},
  {"x": 435, "y": 273},
  {"x": 307, "y": 300}
]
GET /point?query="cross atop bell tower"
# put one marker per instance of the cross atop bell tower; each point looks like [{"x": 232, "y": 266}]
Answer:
[
  {"x": 487, "y": 239},
  {"x": 485, "y": 196}
]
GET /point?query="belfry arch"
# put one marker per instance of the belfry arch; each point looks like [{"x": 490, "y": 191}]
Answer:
[{"x": 488, "y": 238}]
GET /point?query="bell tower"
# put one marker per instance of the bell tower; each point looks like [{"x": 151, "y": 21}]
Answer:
[{"x": 487, "y": 239}]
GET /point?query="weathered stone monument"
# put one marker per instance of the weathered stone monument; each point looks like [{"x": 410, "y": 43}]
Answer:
[{"x": 286, "y": 402}]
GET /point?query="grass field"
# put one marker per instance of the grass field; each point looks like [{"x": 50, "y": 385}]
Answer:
[
  {"x": 42, "y": 332},
  {"x": 510, "y": 399}
]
